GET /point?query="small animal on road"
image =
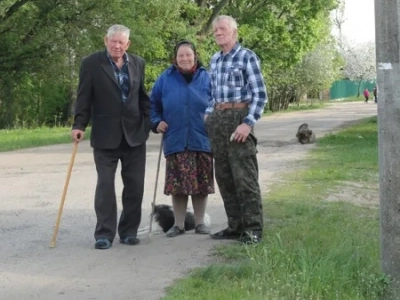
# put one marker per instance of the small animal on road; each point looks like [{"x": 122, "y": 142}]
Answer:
[{"x": 305, "y": 135}]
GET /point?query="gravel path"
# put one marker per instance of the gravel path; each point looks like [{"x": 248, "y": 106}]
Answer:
[{"x": 31, "y": 184}]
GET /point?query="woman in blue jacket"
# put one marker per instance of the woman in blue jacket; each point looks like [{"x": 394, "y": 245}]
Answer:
[{"x": 179, "y": 99}]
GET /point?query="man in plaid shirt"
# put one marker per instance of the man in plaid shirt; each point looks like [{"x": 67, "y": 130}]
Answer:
[{"x": 238, "y": 99}]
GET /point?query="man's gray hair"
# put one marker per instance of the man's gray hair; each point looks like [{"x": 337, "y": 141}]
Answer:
[
  {"x": 232, "y": 22},
  {"x": 118, "y": 29}
]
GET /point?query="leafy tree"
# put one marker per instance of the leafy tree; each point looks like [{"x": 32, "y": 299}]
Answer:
[
  {"x": 318, "y": 69},
  {"x": 40, "y": 40},
  {"x": 43, "y": 42},
  {"x": 281, "y": 32}
]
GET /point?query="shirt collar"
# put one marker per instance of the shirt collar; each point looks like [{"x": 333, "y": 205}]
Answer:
[
  {"x": 233, "y": 51},
  {"x": 126, "y": 57}
]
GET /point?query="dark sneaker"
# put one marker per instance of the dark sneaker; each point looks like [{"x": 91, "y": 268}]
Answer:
[
  {"x": 102, "y": 244},
  {"x": 225, "y": 234},
  {"x": 202, "y": 229},
  {"x": 251, "y": 237},
  {"x": 130, "y": 240},
  {"x": 174, "y": 231}
]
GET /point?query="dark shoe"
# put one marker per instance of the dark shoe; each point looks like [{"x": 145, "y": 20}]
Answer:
[
  {"x": 202, "y": 229},
  {"x": 252, "y": 237},
  {"x": 130, "y": 240},
  {"x": 225, "y": 235},
  {"x": 174, "y": 231},
  {"x": 102, "y": 244}
]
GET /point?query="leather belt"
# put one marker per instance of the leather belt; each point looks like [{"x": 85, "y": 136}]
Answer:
[{"x": 230, "y": 105}]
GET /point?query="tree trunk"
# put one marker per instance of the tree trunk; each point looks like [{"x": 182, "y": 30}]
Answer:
[
  {"x": 358, "y": 89},
  {"x": 7, "y": 115},
  {"x": 217, "y": 9}
]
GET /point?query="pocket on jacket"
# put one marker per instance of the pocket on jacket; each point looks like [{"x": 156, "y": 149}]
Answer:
[{"x": 148, "y": 125}]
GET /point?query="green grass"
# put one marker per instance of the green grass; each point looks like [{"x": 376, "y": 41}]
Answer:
[
  {"x": 312, "y": 248},
  {"x": 316, "y": 104},
  {"x": 307, "y": 106},
  {"x": 352, "y": 99},
  {"x": 350, "y": 155},
  {"x": 14, "y": 139}
]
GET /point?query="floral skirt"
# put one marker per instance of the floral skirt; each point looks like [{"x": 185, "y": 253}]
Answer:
[{"x": 189, "y": 173}]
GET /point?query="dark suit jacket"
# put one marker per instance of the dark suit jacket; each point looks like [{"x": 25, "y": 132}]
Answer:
[{"x": 99, "y": 98}]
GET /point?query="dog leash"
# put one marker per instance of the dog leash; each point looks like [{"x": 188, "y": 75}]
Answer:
[{"x": 153, "y": 204}]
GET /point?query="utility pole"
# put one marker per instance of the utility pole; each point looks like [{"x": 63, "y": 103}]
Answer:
[{"x": 387, "y": 21}]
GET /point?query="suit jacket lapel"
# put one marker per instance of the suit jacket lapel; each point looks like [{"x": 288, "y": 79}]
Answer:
[{"x": 106, "y": 66}]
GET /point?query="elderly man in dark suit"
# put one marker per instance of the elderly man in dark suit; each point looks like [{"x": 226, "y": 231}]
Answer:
[{"x": 111, "y": 93}]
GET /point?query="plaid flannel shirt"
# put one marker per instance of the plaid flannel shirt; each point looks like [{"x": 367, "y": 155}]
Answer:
[
  {"x": 122, "y": 76},
  {"x": 236, "y": 77}
]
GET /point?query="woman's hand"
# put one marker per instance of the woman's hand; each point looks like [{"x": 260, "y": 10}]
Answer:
[{"x": 162, "y": 127}]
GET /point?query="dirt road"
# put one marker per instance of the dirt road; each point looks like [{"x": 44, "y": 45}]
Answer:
[{"x": 31, "y": 183}]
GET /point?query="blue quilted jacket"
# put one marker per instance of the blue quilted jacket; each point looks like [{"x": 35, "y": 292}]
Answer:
[{"x": 181, "y": 105}]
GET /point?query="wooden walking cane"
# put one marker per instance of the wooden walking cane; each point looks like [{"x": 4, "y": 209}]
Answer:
[
  {"x": 71, "y": 163},
  {"x": 153, "y": 204}
]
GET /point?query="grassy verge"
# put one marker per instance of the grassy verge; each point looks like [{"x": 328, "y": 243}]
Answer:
[
  {"x": 352, "y": 99},
  {"x": 301, "y": 107},
  {"x": 307, "y": 106},
  {"x": 14, "y": 139},
  {"x": 312, "y": 248},
  {"x": 25, "y": 138}
]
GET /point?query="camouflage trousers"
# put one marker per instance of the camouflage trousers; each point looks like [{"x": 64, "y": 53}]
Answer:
[{"x": 236, "y": 170}]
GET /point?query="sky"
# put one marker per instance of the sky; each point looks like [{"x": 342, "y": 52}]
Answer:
[{"x": 359, "y": 25}]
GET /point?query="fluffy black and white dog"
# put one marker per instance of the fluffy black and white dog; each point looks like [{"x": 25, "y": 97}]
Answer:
[{"x": 163, "y": 218}]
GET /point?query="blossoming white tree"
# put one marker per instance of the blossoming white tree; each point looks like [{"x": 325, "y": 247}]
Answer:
[
  {"x": 359, "y": 59},
  {"x": 318, "y": 69},
  {"x": 360, "y": 62}
]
